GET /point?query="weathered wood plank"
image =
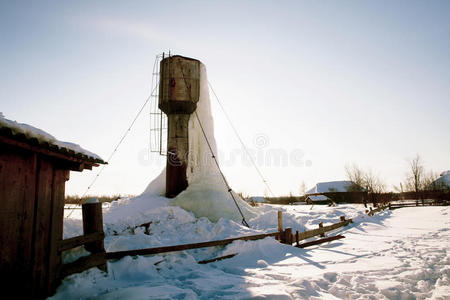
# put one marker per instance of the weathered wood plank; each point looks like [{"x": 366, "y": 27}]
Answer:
[
  {"x": 92, "y": 223},
  {"x": 312, "y": 233},
  {"x": 82, "y": 264},
  {"x": 42, "y": 226},
  {"x": 17, "y": 197},
  {"x": 80, "y": 240},
  {"x": 288, "y": 236},
  {"x": 55, "y": 261},
  {"x": 157, "y": 250},
  {"x": 280, "y": 221},
  {"x": 321, "y": 226},
  {"x": 320, "y": 241},
  {"x": 207, "y": 261}
]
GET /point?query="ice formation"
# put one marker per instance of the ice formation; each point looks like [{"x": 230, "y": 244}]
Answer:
[{"x": 207, "y": 194}]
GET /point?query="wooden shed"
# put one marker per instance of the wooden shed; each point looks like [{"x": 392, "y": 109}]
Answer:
[{"x": 33, "y": 170}]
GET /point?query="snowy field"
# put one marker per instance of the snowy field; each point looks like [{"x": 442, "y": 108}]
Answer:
[
  {"x": 400, "y": 254},
  {"x": 393, "y": 255}
]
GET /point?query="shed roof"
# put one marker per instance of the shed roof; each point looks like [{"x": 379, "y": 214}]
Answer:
[
  {"x": 34, "y": 139},
  {"x": 331, "y": 186},
  {"x": 318, "y": 198}
]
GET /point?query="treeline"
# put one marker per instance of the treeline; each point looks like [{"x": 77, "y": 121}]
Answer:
[
  {"x": 374, "y": 199},
  {"x": 417, "y": 179}
]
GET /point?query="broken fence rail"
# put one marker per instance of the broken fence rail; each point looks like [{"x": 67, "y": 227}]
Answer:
[
  {"x": 165, "y": 249},
  {"x": 288, "y": 238},
  {"x": 378, "y": 209},
  {"x": 94, "y": 238},
  {"x": 423, "y": 202},
  {"x": 320, "y": 241}
]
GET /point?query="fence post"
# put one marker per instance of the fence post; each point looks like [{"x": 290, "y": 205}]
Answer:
[
  {"x": 288, "y": 236},
  {"x": 280, "y": 221},
  {"x": 280, "y": 226},
  {"x": 321, "y": 226},
  {"x": 297, "y": 238},
  {"x": 93, "y": 222}
]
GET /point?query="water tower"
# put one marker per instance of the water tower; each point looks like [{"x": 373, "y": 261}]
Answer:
[{"x": 179, "y": 90}]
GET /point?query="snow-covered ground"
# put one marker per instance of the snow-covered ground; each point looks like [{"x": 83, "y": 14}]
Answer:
[
  {"x": 400, "y": 254},
  {"x": 394, "y": 255}
]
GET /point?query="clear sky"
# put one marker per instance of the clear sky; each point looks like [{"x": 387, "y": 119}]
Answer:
[{"x": 325, "y": 83}]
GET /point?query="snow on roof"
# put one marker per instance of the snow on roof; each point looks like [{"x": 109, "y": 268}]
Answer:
[
  {"x": 318, "y": 198},
  {"x": 443, "y": 181},
  {"x": 30, "y": 134},
  {"x": 445, "y": 174},
  {"x": 331, "y": 186}
]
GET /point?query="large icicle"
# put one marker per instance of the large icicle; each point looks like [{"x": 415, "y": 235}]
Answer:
[{"x": 207, "y": 195}]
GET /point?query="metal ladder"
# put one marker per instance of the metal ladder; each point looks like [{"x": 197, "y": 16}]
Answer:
[{"x": 158, "y": 120}]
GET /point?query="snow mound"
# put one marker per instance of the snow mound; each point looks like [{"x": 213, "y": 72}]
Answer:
[
  {"x": 203, "y": 199},
  {"x": 207, "y": 194}
]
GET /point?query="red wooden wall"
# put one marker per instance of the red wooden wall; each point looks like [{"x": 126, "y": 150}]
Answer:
[{"x": 31, "y": 220}]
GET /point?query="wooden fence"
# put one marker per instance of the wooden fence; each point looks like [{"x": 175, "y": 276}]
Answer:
[
  {"x": 287, "y": 237},
  {"x": 422, "y": 202},
  {"x": 92, "y": 240},
  {"x": 372, "y": 211},
  {"x": 93, "y": 236}
]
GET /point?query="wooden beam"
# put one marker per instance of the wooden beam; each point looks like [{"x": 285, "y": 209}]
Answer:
[
  {"x": 207, "y": 261},
  {"x": 320, "y": 241},
  {"x": 82, "y": 264},
  {"x": 80, "y": 240},
  {"x": 55, "y": 260},
  {"x": 280, "y": 221},
  {"x": 93, "y": 223},
  {"x": 311, "y": 233},
  {"x": 321, "y": 226},
  {"x": 165, "y": 249},
  {"x": 287, "y": 236}
]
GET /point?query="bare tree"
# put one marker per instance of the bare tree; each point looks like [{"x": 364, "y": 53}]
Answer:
[
  {"x": 414, "y": 180},
  {"x": 398, "y": 188},
  {"x": 373, "y": 183},
  {"x": 429, "y": 181},
  {"x": 366, "y": 179},
  {"x": 356, "y": 175}
]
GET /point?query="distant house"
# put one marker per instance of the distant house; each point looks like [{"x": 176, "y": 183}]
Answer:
[
  {"x": 34, "y": 168},
  {"x": 318, "y": 199},
  {"x": 334, "y": 187},
  {"x": 442, "y": 183},
  {"x": 339, "y": 191}
]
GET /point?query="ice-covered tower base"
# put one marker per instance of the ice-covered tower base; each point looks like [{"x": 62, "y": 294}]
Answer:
[{"x": 179, "y": 90}]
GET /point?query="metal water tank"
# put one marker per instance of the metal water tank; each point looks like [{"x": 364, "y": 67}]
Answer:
[{"x": 179, "y": 88}]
